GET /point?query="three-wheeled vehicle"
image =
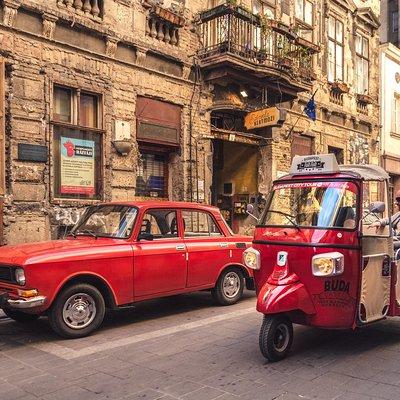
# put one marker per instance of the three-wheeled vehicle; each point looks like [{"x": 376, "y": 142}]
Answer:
[{"x": 318, "y": 257}]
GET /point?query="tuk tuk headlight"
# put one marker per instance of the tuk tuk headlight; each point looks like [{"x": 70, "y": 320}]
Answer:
[
  {"x": 251, "y": 258},
  {"x": 20, "y": 276},
  {"x": 328, "y": 264}
]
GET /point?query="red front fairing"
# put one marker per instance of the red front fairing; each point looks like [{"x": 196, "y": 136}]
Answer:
[{"x": 318, "y": 301}]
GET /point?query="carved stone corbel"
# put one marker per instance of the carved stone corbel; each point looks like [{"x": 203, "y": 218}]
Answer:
[
  {"x": 186, "y": 71},
  {"x": 141, "y": 54},
  {"x": 10, "y": 12},
  {"x": 111, "y": 46},
  {"x": 49, "y": 25}
]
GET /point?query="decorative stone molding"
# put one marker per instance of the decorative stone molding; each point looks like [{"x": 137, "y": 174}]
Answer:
[
  {"x": 111, "y": 46},
  {"x": 10, "y": 12},
  {"x": 186, "y": 71},
  {"x": 141, "y": 54},
  {"x": 49, "y": 25}
]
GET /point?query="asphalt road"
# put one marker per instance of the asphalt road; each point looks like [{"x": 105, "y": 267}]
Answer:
[{"x": 186, "y": 347}]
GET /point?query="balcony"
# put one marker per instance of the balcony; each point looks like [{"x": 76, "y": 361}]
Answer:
[
  {"x": 238, "y": 46},
  {"x": 90, "y": 8}
]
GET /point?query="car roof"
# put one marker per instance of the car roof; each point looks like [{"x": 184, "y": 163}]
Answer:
[{"x": 165, "y": 204}]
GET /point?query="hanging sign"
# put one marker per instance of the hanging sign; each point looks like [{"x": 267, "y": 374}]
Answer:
[
  {"x": 77, "y": 166},
  {"x": 271, "y": 116}
]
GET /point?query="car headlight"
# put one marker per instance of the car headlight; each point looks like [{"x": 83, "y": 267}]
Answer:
[
  {"x": 20, "y": 276},
  {"x": 328, "y": 264},
  {"x": 251, "y": 258}
]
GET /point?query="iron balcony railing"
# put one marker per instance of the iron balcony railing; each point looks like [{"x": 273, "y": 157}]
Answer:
[{"x": 232, "y": 30}]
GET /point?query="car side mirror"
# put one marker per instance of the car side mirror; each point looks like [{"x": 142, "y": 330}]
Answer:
[
  {"x": 145, "y": 236},
  {"x": 250, "y": 211},
  {"x": 377, "y": 207}
]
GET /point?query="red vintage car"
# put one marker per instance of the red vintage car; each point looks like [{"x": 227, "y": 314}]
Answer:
[{"x": 119, "y": 254}]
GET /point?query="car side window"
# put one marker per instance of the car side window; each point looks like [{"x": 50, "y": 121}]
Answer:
[
  {"x": 161, "y": 224},
  {"x": 199, "y": 223}
]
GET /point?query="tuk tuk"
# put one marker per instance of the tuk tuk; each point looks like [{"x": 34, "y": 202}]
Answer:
[{"x": 318, "y": 258}]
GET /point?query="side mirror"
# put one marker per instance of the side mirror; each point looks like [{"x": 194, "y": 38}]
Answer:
[
  {"x": 250, "y": 211},
  {"x": 145, "y": 236},
  {"x": 377, "y": 207}
]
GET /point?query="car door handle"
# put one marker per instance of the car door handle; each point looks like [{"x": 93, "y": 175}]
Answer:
[
  {"x": 181, "y": 247},
  {"x": 223, "y": 244}
]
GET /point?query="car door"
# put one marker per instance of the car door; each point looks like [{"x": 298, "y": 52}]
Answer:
[
  {"x": 159, "y": 255},
  {"x": 206, "y": 245}
]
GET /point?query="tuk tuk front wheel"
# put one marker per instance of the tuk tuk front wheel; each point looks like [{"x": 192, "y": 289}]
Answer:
[{"x": 276, "y": 337}]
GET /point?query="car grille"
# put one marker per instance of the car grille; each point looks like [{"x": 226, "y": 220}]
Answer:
[{"x": 6, "y": 274}]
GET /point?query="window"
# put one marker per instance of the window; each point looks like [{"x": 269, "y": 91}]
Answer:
[
  {"x": 160, "y": 224},
  {"x": 362, "y": 64},
  {"x": 335, "y": 45},
  {"x": 152, "y": 175},
  {"x": 316, "y": 204},
  {"x": 77, "y": 146},
  {"x": 395, "y": 21},
  {"x": 338, "y": 152},
  {"x": 114, "y": 221},
  {"x": 395, "y": 124},
  {"x": 304, "y": 11},
  {"x": 266, "y": 8},
  {"x": 199, "y": 223}
]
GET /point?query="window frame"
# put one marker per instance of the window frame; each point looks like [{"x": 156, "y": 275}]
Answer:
[
  {"x": 265, "y": 5},
  {"x": 395, "y": 112},
  {"x": 336, "y": 44},
  {"x": 170, "y": 209},
  {"x": 74, "y": 126},
  {"x": 210, "y": 217},
  {"x": 360, "y": 57},
  {"x": 155, "y": 151},
  {"x": 302, "y": 20}
]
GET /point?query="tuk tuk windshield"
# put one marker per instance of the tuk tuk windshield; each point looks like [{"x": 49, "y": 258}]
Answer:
[{"x": 312, "y": 204}]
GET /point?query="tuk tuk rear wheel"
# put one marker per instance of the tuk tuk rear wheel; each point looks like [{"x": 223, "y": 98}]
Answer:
[{"x": 276, "y": 337}]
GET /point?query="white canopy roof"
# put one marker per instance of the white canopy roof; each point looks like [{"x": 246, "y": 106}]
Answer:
[{"x": 368, "y": 172}]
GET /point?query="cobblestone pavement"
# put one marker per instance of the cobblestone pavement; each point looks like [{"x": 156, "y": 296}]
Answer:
[{"x": 185, "y": 347}]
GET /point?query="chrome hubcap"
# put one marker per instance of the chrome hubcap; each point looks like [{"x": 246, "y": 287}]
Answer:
[
  {"x": 281, "y": 338},
  {"x": 231, "y": 284},
  {"x": 79, "y": 311}
]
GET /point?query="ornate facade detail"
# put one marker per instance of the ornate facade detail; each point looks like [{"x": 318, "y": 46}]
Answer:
[
  {"x": 111, "y": 46},
  {"x": 141, "y": 54},
  {"x": 10, "y": 12},
  {"x": 49, "y": 25}
]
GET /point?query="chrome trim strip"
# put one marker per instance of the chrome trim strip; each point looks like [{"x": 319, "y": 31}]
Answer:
[{"x": 28, "y": 303}]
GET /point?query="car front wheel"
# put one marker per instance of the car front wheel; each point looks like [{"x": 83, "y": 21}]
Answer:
[
  {"x": 77, "y": 311},
  {"x": 276, "y": 337},
  {"x": 229, "y": 287}
]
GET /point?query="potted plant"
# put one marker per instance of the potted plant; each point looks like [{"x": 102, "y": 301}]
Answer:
[{"x": 340, "y": 87}]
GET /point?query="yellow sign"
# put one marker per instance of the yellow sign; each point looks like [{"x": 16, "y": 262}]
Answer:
[{"x": 266, "y": 117}]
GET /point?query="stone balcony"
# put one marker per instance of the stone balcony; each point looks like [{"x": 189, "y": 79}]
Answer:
[{"x": 242, "y": 47}]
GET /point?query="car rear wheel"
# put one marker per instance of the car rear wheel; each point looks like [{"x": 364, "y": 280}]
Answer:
[
  {"x": 77, "y": 311},
  {"x": 229, "y": 287},
  {"x": 20, "y": 316},
  {"x": 276, "y": 337}
]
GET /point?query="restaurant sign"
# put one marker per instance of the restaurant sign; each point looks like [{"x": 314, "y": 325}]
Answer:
[{"x": 271, "y": 116}]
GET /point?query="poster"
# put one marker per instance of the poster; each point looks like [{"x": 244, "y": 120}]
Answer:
[{"x": 77, "y": 166}]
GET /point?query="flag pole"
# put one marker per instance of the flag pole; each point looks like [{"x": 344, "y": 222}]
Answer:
[{"x": 298, "y": 118}]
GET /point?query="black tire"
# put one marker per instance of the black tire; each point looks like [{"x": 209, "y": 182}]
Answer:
[
  {"x": 78, "y": 295},
  {"x": 276, "y": 337},
  {"x": 220, "y": 292},
  {"x": 20, "y": 316}
]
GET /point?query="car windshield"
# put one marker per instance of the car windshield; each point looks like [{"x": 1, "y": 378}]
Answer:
[
  {"x": 312, "y": 204},
  {"x": 115, "y": 221}
]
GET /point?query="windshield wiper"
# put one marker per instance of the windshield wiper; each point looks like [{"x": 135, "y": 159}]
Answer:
[
  {"x": 288, "y": 217},
  {"x": 87, "y": 232},
  {"x": 71, "y": 234}
]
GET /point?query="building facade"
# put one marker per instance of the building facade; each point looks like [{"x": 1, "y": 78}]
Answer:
[
  {"x": 390, "y": 92},
  {"x": 120, "y": 100}
]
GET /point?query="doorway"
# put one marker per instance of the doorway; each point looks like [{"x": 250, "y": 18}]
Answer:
[{"x": 235, "y": 181}]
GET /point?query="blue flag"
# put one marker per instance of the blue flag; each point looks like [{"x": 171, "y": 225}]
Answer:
[{"x": 310, "y": 109}]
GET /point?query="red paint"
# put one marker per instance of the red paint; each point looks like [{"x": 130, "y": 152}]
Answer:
[
  {"x": 70, "y": 148},
  {"x": 133, "y": 270}
]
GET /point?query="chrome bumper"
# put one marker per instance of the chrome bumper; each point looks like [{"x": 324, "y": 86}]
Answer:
[{"x": 21, "y": 304}]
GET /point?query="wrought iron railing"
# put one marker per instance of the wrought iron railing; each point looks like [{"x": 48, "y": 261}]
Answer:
[{"x": 232, "y": 30}]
